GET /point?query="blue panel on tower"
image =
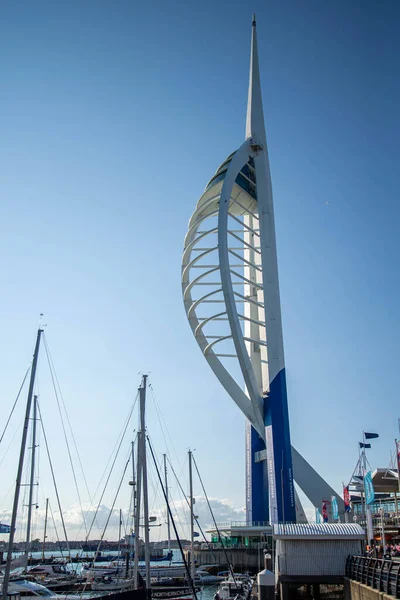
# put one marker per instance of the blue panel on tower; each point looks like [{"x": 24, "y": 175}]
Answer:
[
  {"x": 256, "y": 478},
  {"x": 280, "y": 471}
]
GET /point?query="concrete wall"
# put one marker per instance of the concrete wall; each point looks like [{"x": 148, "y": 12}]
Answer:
[
  {"x": 241, "y": 559},
  {"x": 353, "y": 590}
]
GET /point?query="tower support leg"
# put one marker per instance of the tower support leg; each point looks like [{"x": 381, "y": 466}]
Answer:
[
  {"x": 282, "y": 505},
  {"x": 256, "y": 478}
]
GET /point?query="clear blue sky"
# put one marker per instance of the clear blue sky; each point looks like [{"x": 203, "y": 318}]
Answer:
[{"x": 114, "y": 115}]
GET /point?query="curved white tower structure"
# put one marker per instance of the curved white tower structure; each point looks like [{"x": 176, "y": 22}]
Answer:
[{"x": 231, "y": 296}]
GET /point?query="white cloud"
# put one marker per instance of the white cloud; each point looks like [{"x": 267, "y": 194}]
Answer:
[
  {"x": 73, "y": 521},
  {"x": 223, "y": 509}
]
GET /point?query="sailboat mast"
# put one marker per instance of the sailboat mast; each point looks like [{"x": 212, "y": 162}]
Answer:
[
  {"x": 21, "y": 465},
  {"x": 131, "y": 537},
  {"x": 166, "y": 498},
  {"x": 137, "y": 513},
  {"x": 144, "y": 474},
  {"x": 45, "y": 529},
  {"x": 191, "y": 517},
  {"x": 31, "y": 483},
  {"x": 133, "y": 497},
  {"x": 119, "y": 533}
]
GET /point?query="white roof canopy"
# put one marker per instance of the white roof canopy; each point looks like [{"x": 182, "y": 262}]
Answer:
[{"x": 325, "y": 531}]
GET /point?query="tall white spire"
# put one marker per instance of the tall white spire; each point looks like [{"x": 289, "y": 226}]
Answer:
[
  {"x": 255, "y": 118},
  {"x": 251, "y": 334}
]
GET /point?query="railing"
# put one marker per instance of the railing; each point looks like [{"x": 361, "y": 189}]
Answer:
[
  {"x": 376, "y": 521},
  {"x": 245, "y": 524},
  {"x": 227, "y": 546},
  {"x": 380, "y": 574}
]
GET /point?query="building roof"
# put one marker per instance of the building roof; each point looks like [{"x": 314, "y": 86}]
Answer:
[
  {"x": 385, "y": 480},
  {"x": 339, "y": 531}
]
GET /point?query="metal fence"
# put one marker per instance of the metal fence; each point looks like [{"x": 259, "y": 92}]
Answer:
[
  {"x": 265, "y": 524},
  {"x": 228, "y": 545},
  {"x": 381, "y": 574}
]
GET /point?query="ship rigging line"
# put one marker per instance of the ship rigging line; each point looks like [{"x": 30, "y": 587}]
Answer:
[
  {"x": 121, "y": 434},
  {"x": 55, "y": 529},
  {"x": 215, "y": 524},
  {"x": 6, "y": 452},
  {"x": 52, "y": 374},
  {"x": 108, "y": 519},
  {"x": 178, "y": 519},
  {"x": 112, "y": 466},
  {"x": 49, "y": 357},
  {"x": 195, "y": 518},
  {"x": 54, "y": 480},
  {"x": 164, "y": 431},
  {"x": 15, "y": 403},
  {"x": 119, "y": 441},
  {"x": 173, "y": 522}
]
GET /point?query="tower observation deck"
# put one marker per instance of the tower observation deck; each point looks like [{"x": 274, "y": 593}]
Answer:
[{"x": 231, "y": 295}]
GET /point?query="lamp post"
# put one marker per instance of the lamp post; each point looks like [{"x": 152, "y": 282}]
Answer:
[{"x": 382, "y": 510}]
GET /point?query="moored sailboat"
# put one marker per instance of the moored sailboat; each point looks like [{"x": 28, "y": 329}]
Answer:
[{"x": 6, "y": 578}]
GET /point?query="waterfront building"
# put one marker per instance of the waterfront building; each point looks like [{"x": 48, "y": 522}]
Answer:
[{"x": 385, "y": 510}]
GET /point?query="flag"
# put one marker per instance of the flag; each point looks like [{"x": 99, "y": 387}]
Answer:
[
  {"x": 324, "y": 512},
  {"x": 364, "y": 445},
  {"x": 335, "y": 508},
  {"x": 369, "y": 488},
  {"x": 5, "y": 528},
  {"x": 346, "y": 498},
  {"x": 317, "y": 516},
  {"x": 370, "y": 436}
]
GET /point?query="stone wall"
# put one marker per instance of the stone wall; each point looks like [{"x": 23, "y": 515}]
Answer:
[{"x": 353, "y": 590}]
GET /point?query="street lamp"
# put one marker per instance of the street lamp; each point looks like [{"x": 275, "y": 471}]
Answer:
[{"x": 382, "y": 510}]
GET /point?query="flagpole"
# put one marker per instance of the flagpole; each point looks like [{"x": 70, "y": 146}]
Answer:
[
  {"x": 398, "y": 467},
  {"x": 382, "y": 529},
  {"x": 370, "y": 531},
  {"x": 360, "y": 467},
  {"x": 397, "y": 442},
  {"x": 346, "y": 514}
]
